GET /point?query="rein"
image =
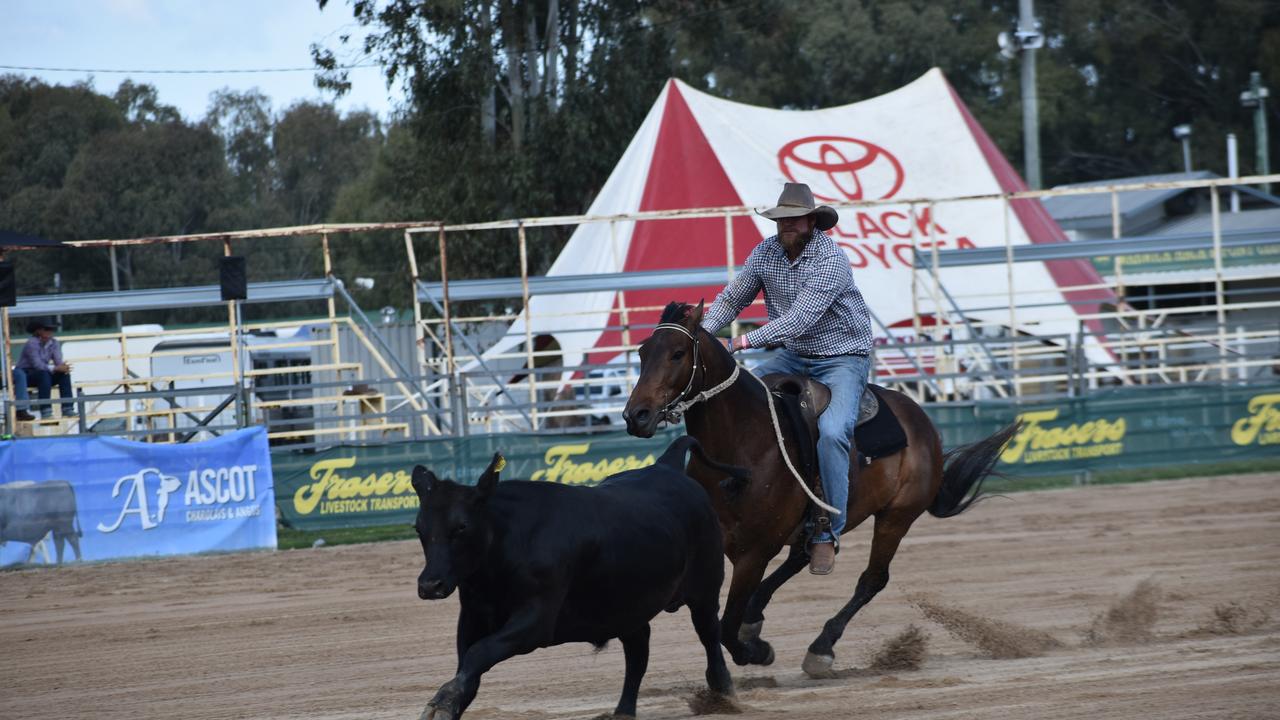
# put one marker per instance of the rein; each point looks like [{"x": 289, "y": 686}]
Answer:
[{"x": 676, "y": 409}]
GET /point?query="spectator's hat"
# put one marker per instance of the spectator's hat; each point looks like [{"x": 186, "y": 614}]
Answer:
[{"x": 42, "y": 322}]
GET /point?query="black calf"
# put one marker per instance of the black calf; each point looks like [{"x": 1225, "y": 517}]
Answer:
[{"x": 539, "y": 564}]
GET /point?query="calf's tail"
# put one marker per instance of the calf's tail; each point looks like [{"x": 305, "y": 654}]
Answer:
[{"x": 674, "y": 458}]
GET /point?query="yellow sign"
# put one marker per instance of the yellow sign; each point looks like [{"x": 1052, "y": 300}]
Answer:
[
  {"x": 331, "y": 493},
  {"x": 1263, "y": 423},
  {"x": 1039, "y": 442},
  {"x": 562, "y": 468}
]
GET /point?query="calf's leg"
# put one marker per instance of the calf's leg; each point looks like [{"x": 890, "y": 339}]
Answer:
[
  {"x": 635, "y": 647},
  {"x": 528, "y": 629},
  {"x": 707, "y": 625}
]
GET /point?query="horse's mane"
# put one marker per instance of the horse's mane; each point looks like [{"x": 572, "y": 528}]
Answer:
[{"x": 675, "y": 312}]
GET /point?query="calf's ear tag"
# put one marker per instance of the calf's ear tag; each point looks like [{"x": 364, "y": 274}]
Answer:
[{"x": 502, "y": 463}]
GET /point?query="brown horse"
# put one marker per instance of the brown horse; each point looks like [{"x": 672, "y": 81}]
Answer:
[{"x": 757, "y": 520}]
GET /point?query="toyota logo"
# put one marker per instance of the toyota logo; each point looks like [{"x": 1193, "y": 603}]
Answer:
[{"x": 839, "y": 169}]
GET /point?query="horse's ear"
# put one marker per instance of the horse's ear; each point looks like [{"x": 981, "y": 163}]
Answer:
[
  {"x": 489, "y": 479},
  {"x": 423, "y": 480},
  {"x": 695, "y": 315}
]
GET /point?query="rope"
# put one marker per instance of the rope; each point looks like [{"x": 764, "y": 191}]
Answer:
[
  {"x": 676, "y": 410},
  {"x": 777, "y": 433}
]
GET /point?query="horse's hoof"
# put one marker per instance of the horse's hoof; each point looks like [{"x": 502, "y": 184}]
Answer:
[
  {"x": 748, "y": 632},
  {"x": 769, "y": 658},
  {"x": 817, "y": 666}
]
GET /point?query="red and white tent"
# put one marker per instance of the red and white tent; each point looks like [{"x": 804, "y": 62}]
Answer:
[{"x": 697, "y": 151}]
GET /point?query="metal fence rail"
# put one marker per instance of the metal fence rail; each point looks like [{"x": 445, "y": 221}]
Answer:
[{"x": 365, "y": 382}]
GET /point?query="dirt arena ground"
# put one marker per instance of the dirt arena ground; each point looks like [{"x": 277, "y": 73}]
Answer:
[{"x": 338, "y": 633}]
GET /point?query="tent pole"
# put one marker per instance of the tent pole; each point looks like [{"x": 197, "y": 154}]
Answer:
[
  {"x": 936, "y": 280},
  {"x": 528, "y": 326},
  {"x": 1013, "y": 305}
]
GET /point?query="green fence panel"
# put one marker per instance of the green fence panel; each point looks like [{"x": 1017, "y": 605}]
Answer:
[{"x": 1107, "y": 430}]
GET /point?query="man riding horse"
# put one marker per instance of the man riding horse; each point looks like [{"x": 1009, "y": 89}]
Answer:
[{"x": 820, "y": 319}]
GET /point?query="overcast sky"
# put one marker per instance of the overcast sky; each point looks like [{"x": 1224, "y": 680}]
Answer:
[{"x": 185, "y": 35}]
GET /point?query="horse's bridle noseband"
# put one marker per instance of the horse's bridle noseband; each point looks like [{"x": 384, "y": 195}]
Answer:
[{"x": 675, "y": 410}]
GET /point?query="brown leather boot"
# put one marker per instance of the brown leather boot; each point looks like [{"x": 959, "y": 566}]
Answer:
[{"x": 822, "y": 558}]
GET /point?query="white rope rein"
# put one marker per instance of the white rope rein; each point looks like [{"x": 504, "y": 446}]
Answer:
[{"x": 676, "y": 410}]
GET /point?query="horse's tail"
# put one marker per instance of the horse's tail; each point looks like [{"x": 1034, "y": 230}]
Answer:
[
  {"x": 964, "y": 470},
  {"x": 674, "y": 458}
]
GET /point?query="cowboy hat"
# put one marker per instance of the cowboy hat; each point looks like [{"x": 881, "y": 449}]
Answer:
[
  {"x": 796, "y": 200},
  {"x": 42, "y": 322}
]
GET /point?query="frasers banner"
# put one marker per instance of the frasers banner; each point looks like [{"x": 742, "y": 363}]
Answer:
[
  {"x": 118, "y": 498},
  {"x": 371, "y": 485},
  {"x": 1127, "y": 428}
]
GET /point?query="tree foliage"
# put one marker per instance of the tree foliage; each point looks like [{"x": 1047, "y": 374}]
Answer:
[{"x": 522, "y": 107}]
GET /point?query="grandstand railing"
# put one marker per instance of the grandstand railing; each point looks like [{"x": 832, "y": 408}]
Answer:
[{"x": 962, "y": 345}]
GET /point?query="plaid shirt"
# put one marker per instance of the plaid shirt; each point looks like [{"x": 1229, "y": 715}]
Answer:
[
  {"x": 38, "y": 355},
  {"x": 814, "y": 307}
]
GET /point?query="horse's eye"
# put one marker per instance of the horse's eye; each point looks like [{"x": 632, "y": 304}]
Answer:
[
  {"x": 458, "y": 531},
  {"x": 678, "y": 355}
]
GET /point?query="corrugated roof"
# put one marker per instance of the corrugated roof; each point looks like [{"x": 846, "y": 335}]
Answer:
[
  {"x": 1078, "y": 207},
  {"x": 1265, "y": 219}
]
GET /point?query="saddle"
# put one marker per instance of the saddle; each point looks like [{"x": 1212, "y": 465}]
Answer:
[{"x": 877, "y": 432}]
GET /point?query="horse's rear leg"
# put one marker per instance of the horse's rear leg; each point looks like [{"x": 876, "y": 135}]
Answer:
[
  {"x": 753, "y": 620},
  {"x": 747, "y": 571},
  {"x": 889, "y": 530}
]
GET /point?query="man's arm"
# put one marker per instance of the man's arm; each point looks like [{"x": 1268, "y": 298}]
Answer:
[
  {"x": 731, "y": 301},
  {"x": 829, "y": 280},
  {"x": 58, "y": 362}
]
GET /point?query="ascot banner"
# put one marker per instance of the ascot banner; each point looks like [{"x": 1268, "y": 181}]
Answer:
[{"x": 119, "y": 498}]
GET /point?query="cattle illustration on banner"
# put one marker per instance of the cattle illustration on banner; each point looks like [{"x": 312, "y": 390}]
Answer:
[{"x": 127, "y": 499}]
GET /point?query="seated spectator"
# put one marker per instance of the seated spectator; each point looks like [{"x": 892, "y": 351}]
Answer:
[{"x": 42, "y": 364}]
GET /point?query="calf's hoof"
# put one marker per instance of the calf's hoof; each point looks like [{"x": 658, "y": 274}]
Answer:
[
  {"x": 434, "y": 713},
  {"x": 817, "y": 666}
]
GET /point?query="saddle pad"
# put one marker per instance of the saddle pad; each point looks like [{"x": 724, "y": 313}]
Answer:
[{"x": 881, "y": 434}]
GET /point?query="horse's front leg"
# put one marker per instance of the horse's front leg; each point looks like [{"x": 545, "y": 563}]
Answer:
[
  {"x": 748, "y": 568},
  {"x": 753, "y": 620}
]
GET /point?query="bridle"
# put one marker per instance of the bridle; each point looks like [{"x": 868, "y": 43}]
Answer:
[{"x": 675, "y": 410}]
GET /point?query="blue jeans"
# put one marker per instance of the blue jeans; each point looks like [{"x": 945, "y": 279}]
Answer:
[
  {"x": 44, "y": 381},
  {"x": 846, "y": 375}
]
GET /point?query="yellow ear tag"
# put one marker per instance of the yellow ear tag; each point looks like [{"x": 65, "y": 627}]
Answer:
[{"x": 502, "y": 462}]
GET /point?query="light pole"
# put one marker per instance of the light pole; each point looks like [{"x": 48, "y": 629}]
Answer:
[
  {"x": 1256, "y": 98},
  {"x": 1024, "y": 41},
  {"x": 1183, "y": 133}
]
